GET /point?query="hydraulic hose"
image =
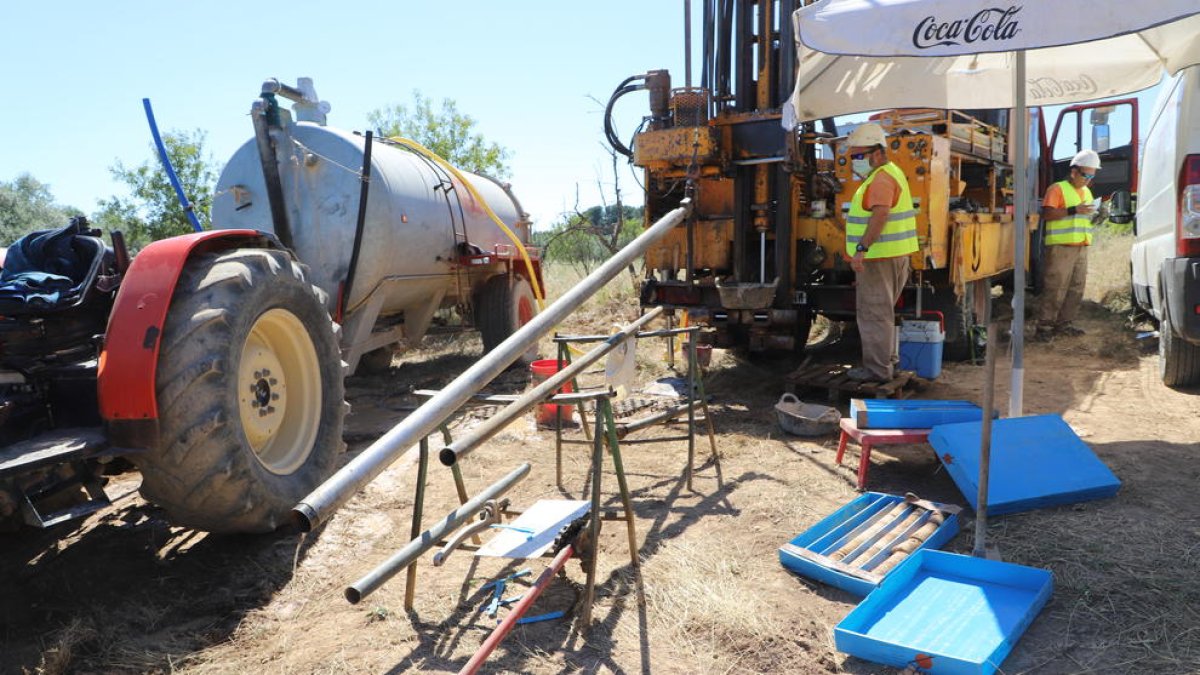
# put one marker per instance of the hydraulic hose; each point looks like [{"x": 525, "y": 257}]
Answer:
[
  {"x": 422, "y": 150},
  {"x": 610, "y": 132}
]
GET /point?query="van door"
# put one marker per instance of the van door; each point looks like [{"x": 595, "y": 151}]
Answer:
[{"x": 1108, "y": 127}]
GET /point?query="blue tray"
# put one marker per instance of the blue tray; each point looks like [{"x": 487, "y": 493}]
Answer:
[
  {"x": 1036, "y": 462},
  {"x": 808, "y": 554},
  {"x": 911, "y": 414},
  {"x": 946, "y": 614}
]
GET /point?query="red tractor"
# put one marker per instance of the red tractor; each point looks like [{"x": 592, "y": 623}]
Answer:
[
  {"x": 209, "y": 362},
  {"x": 212, "y": 361}
]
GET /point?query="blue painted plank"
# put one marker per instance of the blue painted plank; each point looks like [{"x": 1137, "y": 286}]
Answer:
[
  {"x": 948, "y": 614},
  {"x": 1036, "y": 462},
  {"x": 911, "y": 414}
]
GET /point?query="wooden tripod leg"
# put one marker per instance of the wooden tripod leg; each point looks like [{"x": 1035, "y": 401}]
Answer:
[
  {"x": 459, "y": 486},
  {"x": 410, "y": 583},
  {"x": 594, "y": 525},
  {"x": 712, "y": 431},
  {"x": 605, "y": 410}
]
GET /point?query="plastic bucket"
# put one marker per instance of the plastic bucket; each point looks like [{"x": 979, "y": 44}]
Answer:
[{"x": 547, "y": 414}]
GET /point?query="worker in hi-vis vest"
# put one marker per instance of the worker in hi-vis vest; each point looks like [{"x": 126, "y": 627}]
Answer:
[
  {"x": 1067, "y": 223},
  {"x": 881, "y": 234}
]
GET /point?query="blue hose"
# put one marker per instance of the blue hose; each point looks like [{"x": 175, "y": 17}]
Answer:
[{"x": 162, "y": 154}]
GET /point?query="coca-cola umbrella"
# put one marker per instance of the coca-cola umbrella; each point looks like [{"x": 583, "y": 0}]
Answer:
[{"x": 863, "y": 55}]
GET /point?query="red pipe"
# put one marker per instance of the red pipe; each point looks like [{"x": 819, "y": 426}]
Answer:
[{"x": 517, "y": 612}]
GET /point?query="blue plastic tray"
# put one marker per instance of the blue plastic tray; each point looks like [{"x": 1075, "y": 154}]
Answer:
[
  {"x": 911, "y": 414},
  {"x": 807, "y": 554},
  {"x": 1036, "y": 462},
  {"x": 946, "y": 614}
]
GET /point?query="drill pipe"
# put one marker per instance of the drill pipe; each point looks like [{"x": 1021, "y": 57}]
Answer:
[
  {"x": 429, "y": 538},
  {"x": 333, "y": 493},
  {"x": 480, "y": 434}
]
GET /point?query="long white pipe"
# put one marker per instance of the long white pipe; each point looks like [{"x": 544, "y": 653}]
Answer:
[
  {"x": 1020, "y": 233},
  {"x": 333, "y": 493}
]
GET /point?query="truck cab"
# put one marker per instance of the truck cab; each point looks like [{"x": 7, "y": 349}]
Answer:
[{"x": 1165, "y": 258}]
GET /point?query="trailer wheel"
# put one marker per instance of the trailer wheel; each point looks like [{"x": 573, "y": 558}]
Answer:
[
  {"x": 1178, "y": 359},
  {"x": 250, "y": 394},
  {"x": 501, "y": 308}
]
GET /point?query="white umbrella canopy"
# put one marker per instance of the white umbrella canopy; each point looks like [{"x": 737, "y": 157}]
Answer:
[{"x": 860, "y": 55}]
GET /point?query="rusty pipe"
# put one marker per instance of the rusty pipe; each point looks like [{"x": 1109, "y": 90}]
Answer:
[
  {"x": 492, "y": 426},
  {"x": 429, "y": 538},
  {"x": 333, "y": 493}
]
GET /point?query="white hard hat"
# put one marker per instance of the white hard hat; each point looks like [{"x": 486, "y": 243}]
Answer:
[
  {"x": 867, "y": 136},
  {"x": 1087, "y": 159}
]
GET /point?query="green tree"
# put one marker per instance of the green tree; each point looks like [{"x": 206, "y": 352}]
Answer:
[
  {"x": 586, "y": 238},
  {"x": 447, "y": 132},
  {"x": 27, "y": 205},
  {"x": 152, "y": 211}
]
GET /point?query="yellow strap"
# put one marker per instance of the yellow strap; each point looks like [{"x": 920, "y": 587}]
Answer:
[{"x": 533, "y": 280}]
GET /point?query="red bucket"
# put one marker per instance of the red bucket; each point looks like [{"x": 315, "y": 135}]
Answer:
[{"x": 547, "y": 413}]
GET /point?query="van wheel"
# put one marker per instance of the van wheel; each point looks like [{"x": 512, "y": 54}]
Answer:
[
  {"x": 501, "y": 308},
  {"x": 1178, "y": 359}
]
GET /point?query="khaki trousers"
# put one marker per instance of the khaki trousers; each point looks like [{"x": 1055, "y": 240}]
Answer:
[
  {"x": 1066, "y": 275},
  {"x": 878, "y": 288}
]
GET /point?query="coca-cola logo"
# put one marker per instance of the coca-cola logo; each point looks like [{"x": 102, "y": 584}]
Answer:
[
  {"x": 1052, "y": 87},
  {"x": 987, "y": 25}
]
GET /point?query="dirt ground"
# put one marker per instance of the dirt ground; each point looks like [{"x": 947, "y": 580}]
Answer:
[{"x": 126, "y": 592}]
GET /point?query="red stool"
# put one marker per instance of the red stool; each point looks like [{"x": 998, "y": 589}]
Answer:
[{"x": 871, "y": 437}]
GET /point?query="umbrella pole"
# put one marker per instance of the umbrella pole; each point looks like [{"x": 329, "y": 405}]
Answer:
[
  {"x": 985, "y": 447},
  {"x": 1020, "y": 235}
]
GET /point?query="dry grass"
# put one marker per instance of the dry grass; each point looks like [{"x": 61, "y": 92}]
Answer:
[
  {"x": 701, "y": 608},
  {"x": 1108, "y": 272},
  {"x": 59, "y": 653}
]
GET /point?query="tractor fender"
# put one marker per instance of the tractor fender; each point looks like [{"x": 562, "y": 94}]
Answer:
[{"x": 129, "y": 356}]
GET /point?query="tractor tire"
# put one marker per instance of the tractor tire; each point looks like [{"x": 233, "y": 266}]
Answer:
[
  {"x": 501, "y": 308},
  {"x": 1178, "y": 359},
  {"x": 250, "y": 394}
]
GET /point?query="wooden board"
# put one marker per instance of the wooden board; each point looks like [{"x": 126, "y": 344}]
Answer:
[{"x": 832, "y": 378}]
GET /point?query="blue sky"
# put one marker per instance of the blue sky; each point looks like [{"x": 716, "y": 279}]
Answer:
[{"x": 75, "y": 75}]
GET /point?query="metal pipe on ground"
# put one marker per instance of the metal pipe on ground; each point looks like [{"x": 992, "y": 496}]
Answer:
[
  {"x": 506, "y": 626},
  {"x": 429, "y": 538},
  {"x": 333, "y": 493},
  {"x": 492, "y": 426},
  {"x": 649, "y": 421}
]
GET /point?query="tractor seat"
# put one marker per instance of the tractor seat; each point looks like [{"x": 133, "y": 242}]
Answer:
[{"x": 50, "y": 271}]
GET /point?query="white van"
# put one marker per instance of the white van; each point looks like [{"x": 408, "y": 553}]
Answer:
[{"x": 1165, "y": 258}]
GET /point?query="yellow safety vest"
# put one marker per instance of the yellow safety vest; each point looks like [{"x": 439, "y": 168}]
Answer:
[
  {"x": 899, "y": 236},
  {"x": 1072, "y": 230}
]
